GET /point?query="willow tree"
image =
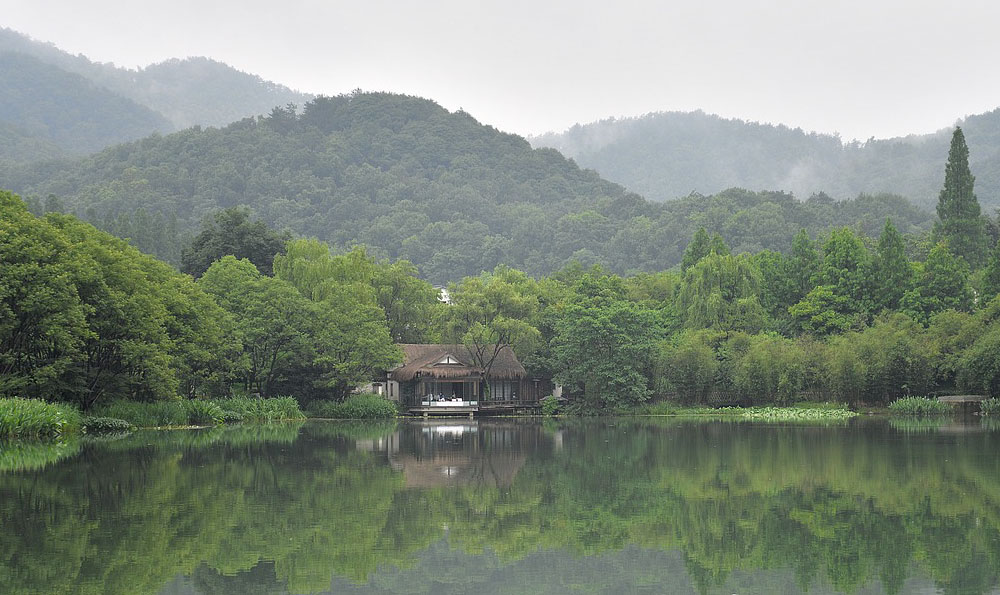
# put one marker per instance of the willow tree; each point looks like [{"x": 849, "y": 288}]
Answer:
[{"x": 961, "y": 223}]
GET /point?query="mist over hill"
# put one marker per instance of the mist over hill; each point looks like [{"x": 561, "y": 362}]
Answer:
[
  {"x": 412, "y": 180},
  {"x": 181, "y": 92},
  {"x": 66, "y": 110},
  {"x": 664, "y": 156}
]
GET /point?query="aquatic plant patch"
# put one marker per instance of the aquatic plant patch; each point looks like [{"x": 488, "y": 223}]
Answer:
[
  {"x": 269, "y": 409},
  {"x": 990, "y": 406},
  {"x": 203, "y": 412},
  {"x": 797, "y": 414},
  {"x": 31, "y": 418},
  {"x": 919, "y": 406},
  {"x": 106, "y": 425},
  {"x": 145, "y": 415},
  {"x": 361, "y": 406}
]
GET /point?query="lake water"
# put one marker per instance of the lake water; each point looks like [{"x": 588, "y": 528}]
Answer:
[{"x": 507, "y": 506}]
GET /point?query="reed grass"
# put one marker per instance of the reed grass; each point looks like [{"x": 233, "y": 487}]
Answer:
[{"x": 30, "y": 418}]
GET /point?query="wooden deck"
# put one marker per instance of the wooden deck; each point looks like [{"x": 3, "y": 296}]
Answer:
[{"x": 471, "y": 408}]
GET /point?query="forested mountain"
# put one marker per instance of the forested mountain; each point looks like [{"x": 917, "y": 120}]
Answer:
[
  {"x": 411, "y": 180},
  {"x": 666, "y": 155},
  {"x": 18, "y": 145},
  {"x": 48, "y": 104},
  {"x": 186, "y": 92}
]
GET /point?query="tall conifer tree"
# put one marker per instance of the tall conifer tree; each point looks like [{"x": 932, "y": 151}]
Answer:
[
  {"x": 961, "y": 223},
  {"x": 891, "y": 271}
]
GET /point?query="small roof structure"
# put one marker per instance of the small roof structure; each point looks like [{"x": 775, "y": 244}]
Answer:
[{"x": 453, "y": 361}]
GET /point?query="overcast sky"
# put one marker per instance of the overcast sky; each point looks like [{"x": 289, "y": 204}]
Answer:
[{"x": 858, "y": 67}]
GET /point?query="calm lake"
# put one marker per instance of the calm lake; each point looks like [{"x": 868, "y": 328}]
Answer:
[{"x": 507, "y": 506}]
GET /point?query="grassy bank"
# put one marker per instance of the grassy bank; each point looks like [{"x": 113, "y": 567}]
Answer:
[
  {"x": 29, "y": 418},
  {"x": 200, "y": 412},
  {"x": 360, "y": 406}
]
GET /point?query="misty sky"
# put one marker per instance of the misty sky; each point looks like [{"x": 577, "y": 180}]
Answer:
[{"x": 861, "y": 68}]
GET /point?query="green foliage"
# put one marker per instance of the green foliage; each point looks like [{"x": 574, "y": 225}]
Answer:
[
  {"x": 919, "y": 406},
  {"x": 961, "y": 224},
  {"x": 86, "y": 317},
  {"x": 354, "y": 299},
  {"x": 689, "y": 366},
  {"x": 773, "y": 370},
  {"x": 494, "y": 310},
  {"x": 550, "y": 406},
  {"x": 603, "y": 345},
  {"x": 230, "y": 232},
  {"x": 845, "y": 270},
  {"x": 232, "y": 417},
  {"x": 991, "y": 277},
  {"x": 106, "y": 425},
  {"x": 697, "y": 248},
  {"x": 721, "y": 292},
  {"x": 29, "y": 418},
  {"x": 360, "y": 406},
  {"x": 891, "y": 272},
  {"x": 990, "y": 406},
  {"x": 145, "y": 415},
  {"x": 203, "y": 412},
  {"x": 942, "y": 284},
  {"x": 823, "y": 312},
  {"x": 270, "y": 409},
  {"x": 979, "y": 366}
]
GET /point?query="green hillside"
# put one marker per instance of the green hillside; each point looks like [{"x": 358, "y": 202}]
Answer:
[
  {"x": 666, "y": 155},
  {"x": 193, "y": 91},
  {"x": 412, "y": 180},
  {"x": 50, "y": 105}
]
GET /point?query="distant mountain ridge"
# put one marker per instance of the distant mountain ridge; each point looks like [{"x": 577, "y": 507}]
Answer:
[
  {"x": 45, "y": 102},
  {"x": 667, "y": 155},
  {"x": 412, "y": 180},
  {"x": 162, "y": 97}
]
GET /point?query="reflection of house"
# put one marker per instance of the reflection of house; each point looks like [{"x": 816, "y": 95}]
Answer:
[
  {"x": 435, "y": 375},
  {"x": 450, "y": 453}
]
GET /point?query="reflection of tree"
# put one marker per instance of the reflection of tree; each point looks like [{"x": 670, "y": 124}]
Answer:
[{"x": 838, "y": 508}]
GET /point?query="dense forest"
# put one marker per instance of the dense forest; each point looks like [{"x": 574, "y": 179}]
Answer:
[
  {"x": 90, "y": 318},
  {"x": 410, "y": 180},
  {"x": 68, "y": 110},
  {"x": 171, "y": 95},
  {"x": 664, "y": 156}
]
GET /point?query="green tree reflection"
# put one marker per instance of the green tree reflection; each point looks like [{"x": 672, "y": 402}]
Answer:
[{"x": 402, "y": 508}]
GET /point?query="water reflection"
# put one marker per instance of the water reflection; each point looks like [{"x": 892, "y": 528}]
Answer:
[{"x": 510, "y": 506}]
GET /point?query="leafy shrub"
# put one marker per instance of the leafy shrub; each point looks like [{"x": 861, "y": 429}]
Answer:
[
  {"x": 106, "y": 425},
  {"x": 203, "y": 412},
  {"x": 990, "y": 406},
  {"x": 360, "y": 406},
  {"x": 232, "y": 417},
  {"x": 550, "y": 405},
  {"x": 919, "y": 406},
  {"x": 254, "y": 409},
  {"x": 145, "y": 415},
  {"x": 24, "y": 418}
]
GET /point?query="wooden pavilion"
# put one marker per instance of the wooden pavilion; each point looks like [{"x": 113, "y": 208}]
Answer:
[{"x": 445, "y": 379}]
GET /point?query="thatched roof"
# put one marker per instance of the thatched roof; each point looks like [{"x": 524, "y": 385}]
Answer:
[{"x": 426, "y": 359}]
